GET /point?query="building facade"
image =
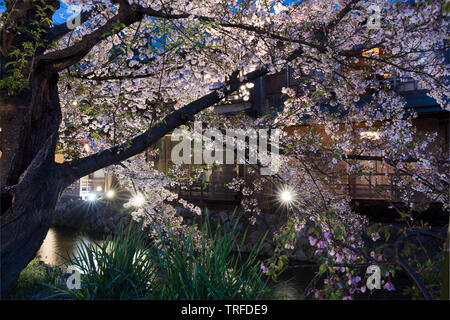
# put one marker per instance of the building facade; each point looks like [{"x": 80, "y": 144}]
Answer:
[{"x": 265, "y": 94}]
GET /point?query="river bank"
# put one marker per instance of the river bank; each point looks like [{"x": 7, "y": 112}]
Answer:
[
  {"x": 48, "y": 269},
  {"x": 89, "y": 223}
]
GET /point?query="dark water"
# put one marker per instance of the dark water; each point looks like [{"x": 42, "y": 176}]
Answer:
[
  {"x": 294, "y": 282},
  {"x": 61, "y": 243}
]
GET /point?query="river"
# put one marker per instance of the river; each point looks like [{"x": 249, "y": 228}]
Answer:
[{"x": 60, "y": 243}]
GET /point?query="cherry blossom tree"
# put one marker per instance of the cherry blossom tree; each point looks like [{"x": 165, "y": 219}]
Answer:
[{"x": 132, "y": 71}]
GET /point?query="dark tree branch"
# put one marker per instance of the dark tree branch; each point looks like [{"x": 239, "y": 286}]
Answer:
[
  {"x": 61, "y": 59},
  {"x": 114, "y": 155},
  {"x": 58, "y": 31},
  {"x": 333, "y": 23},
  {"x": 77, "y": 169},
  {"x": 408, "y": 269}
]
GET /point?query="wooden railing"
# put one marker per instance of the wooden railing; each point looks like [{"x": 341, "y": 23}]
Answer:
[
  {"x": 402, "y": 84},
  {"x": 207, "y": 191}
]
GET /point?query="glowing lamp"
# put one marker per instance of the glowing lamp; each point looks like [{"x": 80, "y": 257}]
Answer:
[
  {"x": 91, "y": 197},
  {"x": 138, "y": 200},
  {"x": 286, "y": 196},
  {"x": 110, "y": 194},
  {"x": 370, "y": 135}
]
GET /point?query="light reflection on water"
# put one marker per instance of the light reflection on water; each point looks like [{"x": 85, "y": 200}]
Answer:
[
  {"x": 60, "y": 243},
  {"x": 287, "y": 291},
  {"x": 294, "y": 282}
]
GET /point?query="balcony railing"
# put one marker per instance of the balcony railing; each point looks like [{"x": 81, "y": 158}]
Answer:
[
  {"x": 402, "y": 84},
  {"x": 207, "y": 191}
]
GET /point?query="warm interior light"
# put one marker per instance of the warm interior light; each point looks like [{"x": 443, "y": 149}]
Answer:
[
  {"x": 370, "y": 135},
  {"x": 110, "y": 194},
  {"x": 138, "y": 200},
  {"x": 87, "y": 148},
  {"x": 375, "y": 52},
  {"x": 99, "y": 188}
]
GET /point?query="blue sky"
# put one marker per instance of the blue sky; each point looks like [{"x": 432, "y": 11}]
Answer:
[{"x": 60, "y": 16}]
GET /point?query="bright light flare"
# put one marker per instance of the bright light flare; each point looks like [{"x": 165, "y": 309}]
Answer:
[
  {"x": 110, "y": 194},
  {"x": 286, "y": 196},
  {"x": 138, "y": 200},
  {"x": 91, "y": 197}
]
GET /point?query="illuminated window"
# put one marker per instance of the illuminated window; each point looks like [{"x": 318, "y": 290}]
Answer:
[
  {"x": 59, "y": 158},
  {"x": 365, "y": 63},
  {"x": 371, "y": 135}
]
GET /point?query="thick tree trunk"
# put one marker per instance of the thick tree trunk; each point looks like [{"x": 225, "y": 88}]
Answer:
[
  {"x": 31, "y": 181},
  {"x": 12, "y": 116},
  {"x": 22, "y": 237}
]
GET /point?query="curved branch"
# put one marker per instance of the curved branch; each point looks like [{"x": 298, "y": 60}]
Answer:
[
  {"x": 74, "y": 170},
  {"x": 411, "y": 273},
  {"x": 58, "y": 31},
  {"x": 114, "y": 155},
  {"x": 64, "y": 58},
  {"x": 127, "y": 15}
]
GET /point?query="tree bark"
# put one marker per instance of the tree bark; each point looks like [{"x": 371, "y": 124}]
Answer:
[
  {"x": 31, "y": 181},
  {"x": 22, "y": 236}
]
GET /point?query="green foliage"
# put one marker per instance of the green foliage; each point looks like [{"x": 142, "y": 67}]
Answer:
[
  {"x": 430, "y": 274},
  {"x": 37, "y": 280},
  {"x": 117, "y": 268},
  {"x": 21, "y": 57},
  {"x": 208, "y": 267},
  {"x": 446, "y": 7},
  {"x": 198, "y": 265}
]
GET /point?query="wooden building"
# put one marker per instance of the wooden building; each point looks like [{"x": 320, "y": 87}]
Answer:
[{"x": 265, "y": 93}]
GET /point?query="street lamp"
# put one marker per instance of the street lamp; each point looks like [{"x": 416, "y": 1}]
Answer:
[
  {"x": 91, "y": 197},
  {"x": 138, "y": 200},
  {"x": 110, "y": 194},
  {"x": 286, "y": 196}
]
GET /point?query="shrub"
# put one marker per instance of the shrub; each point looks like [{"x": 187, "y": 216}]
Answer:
[
  {"x": 117, "y": 268},
  {"x": 37, "y": 281},
  {"x": 200, "y": 265},
  {"x": 209, "y": 265}
]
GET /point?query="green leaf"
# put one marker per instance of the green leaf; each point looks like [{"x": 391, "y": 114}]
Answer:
[
  {"x": 322, "y": 268},
  {"x": 337, "y": 232}
]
